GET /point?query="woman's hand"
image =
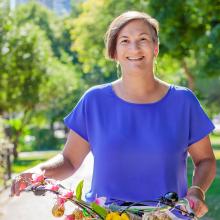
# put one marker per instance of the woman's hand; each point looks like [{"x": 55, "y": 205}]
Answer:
[
  {"x": 197, "y": 202},
  {"x": 20, "y": 183}
]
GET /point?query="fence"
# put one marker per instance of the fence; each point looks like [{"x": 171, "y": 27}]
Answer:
[{"x": 6, "y": 149}]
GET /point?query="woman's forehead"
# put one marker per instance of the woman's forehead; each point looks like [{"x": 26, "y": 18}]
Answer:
[{"x": 135, "y": 27}]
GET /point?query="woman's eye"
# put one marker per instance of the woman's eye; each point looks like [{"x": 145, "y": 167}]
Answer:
[
  {"x": 124, "y": 41},
  {"x": 143, "y": 39}
]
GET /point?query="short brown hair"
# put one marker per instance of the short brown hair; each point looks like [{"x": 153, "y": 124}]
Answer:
[{"x": 119, "y": 22}]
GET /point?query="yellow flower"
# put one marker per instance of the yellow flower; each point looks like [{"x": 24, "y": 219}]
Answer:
[
  {"x": 117, "y": 216},
  {"x": 124, "y": 216},
  {"x": 113, "y": 216}
]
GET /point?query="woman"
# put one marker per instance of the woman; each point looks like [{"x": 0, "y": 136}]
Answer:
[{"x": 139, "y": 128}]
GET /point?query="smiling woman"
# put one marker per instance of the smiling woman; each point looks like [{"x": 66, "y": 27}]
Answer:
[
  {"x": 135, "y": 48},
  {"x": 121, "y": 21},
  {"x": 139, "y": 128}
]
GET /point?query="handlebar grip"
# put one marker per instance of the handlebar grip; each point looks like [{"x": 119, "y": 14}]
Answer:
[{"x": 189, "y": 207}]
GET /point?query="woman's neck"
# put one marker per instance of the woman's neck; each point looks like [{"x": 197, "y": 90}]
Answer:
[
  {"x": 140, "y": 90},
  {"x": 138, "y": 86}
]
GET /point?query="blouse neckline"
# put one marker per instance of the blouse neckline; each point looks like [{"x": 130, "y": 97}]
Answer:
[{"x": 141, "y": 104}]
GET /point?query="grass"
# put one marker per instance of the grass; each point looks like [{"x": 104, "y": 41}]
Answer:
[
  {"x": 215, "y": 140},
  {"x": 24, "y": 163}
]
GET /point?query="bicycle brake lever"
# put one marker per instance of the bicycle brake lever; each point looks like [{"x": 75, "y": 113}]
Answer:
[{"x": 186, "y": 203}]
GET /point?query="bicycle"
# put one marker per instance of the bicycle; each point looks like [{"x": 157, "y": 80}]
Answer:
[{"x": 99, "y": 210}]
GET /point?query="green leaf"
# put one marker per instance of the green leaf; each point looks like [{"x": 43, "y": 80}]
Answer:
[
  {"x": 100, "y": 210},
  {"x": 79, "y": 190},
  {"x": 85, "y": 213}
]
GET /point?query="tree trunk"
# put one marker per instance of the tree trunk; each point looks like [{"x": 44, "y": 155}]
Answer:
[
  {"x": 15, "y": 152},
  {"x": 13, "y": 135},
  {"x": 15, "y": 143},
  {"x": 189, "y": 76}
]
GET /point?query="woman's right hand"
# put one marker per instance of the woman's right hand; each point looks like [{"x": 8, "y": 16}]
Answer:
[{"x": 20, "y": 183}]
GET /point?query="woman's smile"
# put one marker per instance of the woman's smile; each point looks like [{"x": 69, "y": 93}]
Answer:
[{"x": 135, "y": 59}]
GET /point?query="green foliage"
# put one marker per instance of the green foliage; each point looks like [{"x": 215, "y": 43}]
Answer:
[
  {"x": 37, "y": 78},
  {"x": 2, "y": 135},
  {"x": 79, "y": 190},
  {"x": 40, "y": 139},
  {"x": 58, "y": 93},
  {"x": 189, "y": 32},
  {"x": 24, "y": 67},
  {"x": 55, "y": 28},
  {"x": 169, "y": 69},
  {"x": 209, "y": 91},
  {"x": 100, "y": 210},
  {"x": 39, "y": 15}
]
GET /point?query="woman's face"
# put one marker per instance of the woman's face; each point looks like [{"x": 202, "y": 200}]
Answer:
[{"x": 135, "y": 49}]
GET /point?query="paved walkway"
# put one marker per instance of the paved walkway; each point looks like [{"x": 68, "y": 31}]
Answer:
[{"x": 28, "y": 206}]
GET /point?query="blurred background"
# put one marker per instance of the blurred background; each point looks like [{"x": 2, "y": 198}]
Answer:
[{"x": 52, "y": 51}]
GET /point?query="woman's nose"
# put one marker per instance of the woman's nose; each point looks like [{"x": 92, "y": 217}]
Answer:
[{"x": 134, "y": 46}]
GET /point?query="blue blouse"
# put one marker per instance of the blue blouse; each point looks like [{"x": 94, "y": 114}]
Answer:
[{"x": 140, "y": 150}]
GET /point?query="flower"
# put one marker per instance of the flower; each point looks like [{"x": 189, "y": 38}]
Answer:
[
  {"x": 61, "y": 200},
  {"x": 58, "y": 210},
  {"x": 22, "y": 186},
  {"x": 37, "y": 178},
  {"x": 69, "y": 217},
  {"x": 67, "y": 194},
  {"x": 124, "y": 216},
  {"x": 52, "y": 187},
  {"x": 117, "y": 216},
  {"x": 100, "y": 201}
]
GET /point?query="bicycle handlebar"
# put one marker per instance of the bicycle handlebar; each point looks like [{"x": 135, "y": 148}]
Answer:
[{"x": 167, "y": 203}]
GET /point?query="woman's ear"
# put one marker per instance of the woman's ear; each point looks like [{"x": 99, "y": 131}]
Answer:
[{"x": 156, "y": 50}]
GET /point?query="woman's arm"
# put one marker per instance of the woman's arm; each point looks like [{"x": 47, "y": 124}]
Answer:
[
  {"x": 61, "y": 166},
  {"x": 66, "y": 163},
  {"x": 204, "y": 173}
]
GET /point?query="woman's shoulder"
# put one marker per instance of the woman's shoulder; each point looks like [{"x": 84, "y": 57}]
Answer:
[
  {"x": 184, "y": 93},
  {"x": 96, "y": 91}
]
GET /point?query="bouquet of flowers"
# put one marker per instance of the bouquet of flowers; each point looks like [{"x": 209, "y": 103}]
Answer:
[{"x": 98, "y": 210}]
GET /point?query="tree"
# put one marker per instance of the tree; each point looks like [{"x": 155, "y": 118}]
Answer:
[
  {"x": 189, "y": 31},
  {"x": 24, "y": 69},
  {"x": 61, "y": 92},
  {"x": 36, "y": 80},
  {"x": 42, "y": 17}
]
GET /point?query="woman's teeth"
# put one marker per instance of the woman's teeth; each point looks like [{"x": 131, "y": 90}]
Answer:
[{"x": 135, "y": 58}]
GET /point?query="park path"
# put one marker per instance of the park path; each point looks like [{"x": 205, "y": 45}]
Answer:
[{"x": 30, "y": 207}]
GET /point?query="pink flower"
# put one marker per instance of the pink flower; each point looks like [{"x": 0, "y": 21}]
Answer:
[
  {"x": 52, "y": 187},
  {"x": 36, "y": 178},
  {"x": 69, "y": 217},
  {"x": 67, "y": 194},
  {"x": 61, "y": 200},
  {"x": 22, "y": 186},
  {"x": 100, "y": 201},
  {"x": 191, "y": 203}
]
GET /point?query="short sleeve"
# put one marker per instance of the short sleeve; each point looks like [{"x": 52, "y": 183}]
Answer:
[
  {"x": 200, "y": 124},
  {"x": 76, "y": 120}
]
